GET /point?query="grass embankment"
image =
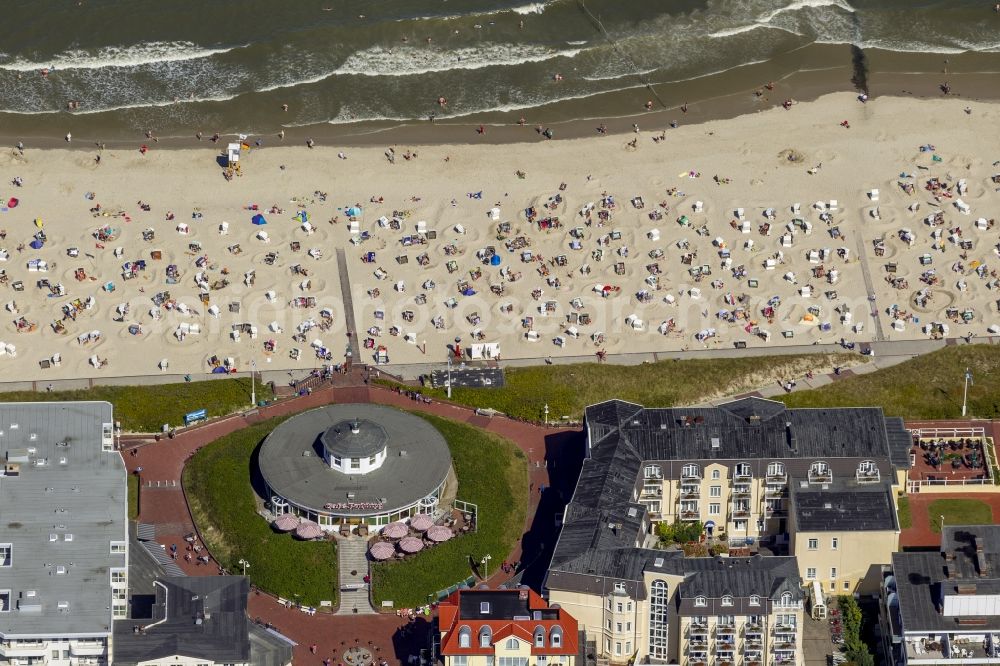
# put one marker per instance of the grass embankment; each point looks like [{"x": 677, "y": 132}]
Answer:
[
  {"x": 492, "y": 473},
  {"x": 958, "y": 512},
  {"x": 217, "y": 484},
  {"x": 146, "y": 408},
  {"x": 903, "y": 512},
  {"x": 926, "y": 387},
  {"x": 133, "y": 496},
  {"x": 568, "y": 389}
]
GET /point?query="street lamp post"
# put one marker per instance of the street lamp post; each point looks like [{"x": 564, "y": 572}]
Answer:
[
  {"x": 965, "y": 393},
  {"x": 253, "y": 384},
  {"x": 448, "y": 384},
  {"x": 245, "y": 565},
  {"x": 486, "y": 566},
  {"x": 546, "y": 408}
]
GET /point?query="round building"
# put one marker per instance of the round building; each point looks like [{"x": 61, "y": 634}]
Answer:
[{"x": 355, "y": 464}]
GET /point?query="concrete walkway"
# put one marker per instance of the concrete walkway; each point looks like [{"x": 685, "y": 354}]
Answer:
[{"x": 352, "y": 555}]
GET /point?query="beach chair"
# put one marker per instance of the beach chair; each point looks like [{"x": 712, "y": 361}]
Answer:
[
  {"x": 698, "y": 206},
  {"x": 832, "y": 206},
  {"x": 163, "y": 364},
  {"x": 223, "y": 228},
  {"x": 495, "y": 213},
  {"x": 739, "y": 212},
  {"x": 962, "y": 207},
  {"x": 796, "y": 207},
  {"x": 873, "y": 195}
]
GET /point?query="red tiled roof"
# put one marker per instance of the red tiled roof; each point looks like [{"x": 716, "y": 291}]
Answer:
[{"x": 451, "y": 622}]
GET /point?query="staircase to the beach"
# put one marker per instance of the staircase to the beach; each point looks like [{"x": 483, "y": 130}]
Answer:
[{"x": 352, "y": 553}]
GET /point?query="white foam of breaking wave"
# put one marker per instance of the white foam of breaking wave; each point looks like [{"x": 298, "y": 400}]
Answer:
[
  {"x": 119, "y": 56},
  {"x": 530, "y": 8},
  {"x": 407, "y": 61}
]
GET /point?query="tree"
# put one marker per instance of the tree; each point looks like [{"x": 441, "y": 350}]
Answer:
[{"x": 679, "y": 532}]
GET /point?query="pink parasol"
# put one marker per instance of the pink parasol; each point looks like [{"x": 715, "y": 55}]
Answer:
[
  {"x": 439, "y": 533},
  {"x": 395, "y": 531},
  {"x": 381, "y": 550},
  {"x": 411, "y": 545},
  {"x": 421, "y": 522},
  {"x": 308, "y": 530},
  {"x": 286, "y": 522}
]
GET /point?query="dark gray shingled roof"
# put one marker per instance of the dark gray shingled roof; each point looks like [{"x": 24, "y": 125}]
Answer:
[
  {"x": 417, "y": 463},
  {"x": 222, "y": 636},
  {"x": 603, "y": 529},
  {"x": 751, "y": 428},
  {"x": 844, "y": 506},
  {"x": 342, "y": 440}
]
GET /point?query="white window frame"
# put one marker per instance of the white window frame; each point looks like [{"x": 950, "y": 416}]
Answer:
[
  {"x": 813, "y": 544},
  {"x": 511, "y": 644},
  {"x": 743, "y": 469},
  {"x": 834, "y": 543},
  {"x": 691, "y": 470},
  {"x": 754, "y": 600},
  {"x": 776, "y": 469},
  {"x": 727, "y": 600},
  {"x": 833, "y": 573},
  {"x": 811, "y": 573},
  {"x": 714, "y": 509},
  {"x": 118, "y": 547},
  {"x": 9, "y": 547},
  {"x": 716, "y": 474},
  {"x": 700, "y": 601},
  {"x": 465, "y": 637},
  {"x": 715, "y": 491},
  {"x": 653, "y": 472},
  {"x": 619, "y": 586},
  {"x": 485, "y": 636}
]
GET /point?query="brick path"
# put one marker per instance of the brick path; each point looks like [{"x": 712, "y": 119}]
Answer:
[{"x": 553, "y": 458}]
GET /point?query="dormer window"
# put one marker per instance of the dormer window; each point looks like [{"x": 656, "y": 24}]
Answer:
[
  {"x": 727, "y": 600},
  {"x": 485, "y": 637},
  {"x": 653, "y": 472},
  {"x": 465, "y": 637},
  {"x": 690, "y": 471},
  {"x": 776, "y": 470},
  {"x": 555, "y": 637},
  {"x": 743, "y": 471},
  {"x": 819, "y": 472},
  {"x": 868, "y": 472},
  {"x": 700, "y": 601},
  {"x": 539, "y": 637},
  {"x": 786, "y": 598},
  {"x": 754, "y": 600}
]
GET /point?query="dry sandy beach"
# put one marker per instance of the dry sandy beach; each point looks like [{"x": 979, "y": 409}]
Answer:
[{"x": 763, "y": 230}]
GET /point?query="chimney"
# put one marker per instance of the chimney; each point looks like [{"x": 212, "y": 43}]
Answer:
[{"x": 355, "y": 427}]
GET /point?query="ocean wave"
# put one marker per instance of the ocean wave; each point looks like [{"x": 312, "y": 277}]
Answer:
[
  {"x": 530, "y": 8},
  {"x": 86, "y": 111},
  {"x": 412, "y": 61},
  {"x": 916, "y": 47},
  {"x": 739, "y": 30},
  {"x": 805, "y": 4},
  {"x": 408, "y": 61},
  {"x": 119, "y": 56}
]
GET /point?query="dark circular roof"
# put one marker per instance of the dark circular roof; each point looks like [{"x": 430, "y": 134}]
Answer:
[
  {"x": 356, "y": 438},
  {"x": 291, "y": 461}
]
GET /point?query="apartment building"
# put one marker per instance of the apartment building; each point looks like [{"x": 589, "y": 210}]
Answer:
[
  {"x": 198, "y": 621},
  {"x": 842, "y": 533},
  {"x": 944, "y": 607},
  {"x": 505, "y": 628},
  {"x": 63, "y": 533},
  {"x": 738, "y": 468}
]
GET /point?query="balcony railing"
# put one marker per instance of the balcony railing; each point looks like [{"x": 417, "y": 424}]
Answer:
[
  {"x": 697, "y": 629},
  {"x": 741, "y": 490},
  {"x": 775, "y": 491},
  {"x": 741, "y": 511},
  {"x": 742, "y": 474},
  {"x": 728, "y": 648},
  {"x": 690, "y": 515},
  {"x": 698, "y": 646},
  {"x": 820, "y": 477},
  {"x": 776, "y": 478},
  {"x": 690, "y": 491},
  {"x": 868, "y": 477},
  {"x": 651, "y": 493},
  {"x": 688, "y": 474}
]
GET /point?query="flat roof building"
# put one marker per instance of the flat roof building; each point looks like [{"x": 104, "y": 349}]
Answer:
[
  {"x": 354, "y": 464},
  {"x": 63, "y": 531},
  {"x": 198, "y": 620}
]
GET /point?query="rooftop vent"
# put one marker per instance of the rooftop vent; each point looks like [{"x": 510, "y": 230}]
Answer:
[
  {"x": 663, "y": 426},
  {"x": 63, "y": 460},
  {"x": 350, "y": 495},
  {"x": 402, "y": 453},
  {"x": 63, "y": 605},
  {"x": 827, "y": 505},
  {"x": 306, "y": 454},
  {"x": 658, "y": 562},
  {"x": 355, "y": 427},
  {"x": 33, "y": 436},
  {"x": 753, "y": 419},
  {"x": 632, "y": 512},
  {"x": 61, "y": 570}
]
